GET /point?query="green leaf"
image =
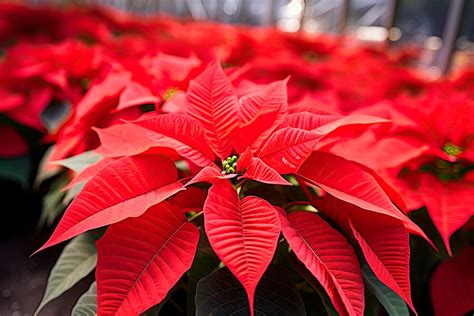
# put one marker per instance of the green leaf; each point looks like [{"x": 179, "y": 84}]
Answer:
[
  {"x": 43, "y": 172},
  {"x": 77, "y": 260},
  {"x": 73, "y": 192},
  {"x": 299, "y": 267},
  {"x": 79, "y": 162},
  {"x": 16, "y": 169},
  {"x": 87, "y": 303},
  {"x": 220, "y": 293},
  {"x": 52, "y": 202},
  {"x": 204, "y": 263},
  {"x": 392, "y": 303}
]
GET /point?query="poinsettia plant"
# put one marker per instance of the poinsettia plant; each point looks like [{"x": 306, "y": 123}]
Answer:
[
  {"x": 248, "y": 172},
  {"x": 294, "y": 165}
]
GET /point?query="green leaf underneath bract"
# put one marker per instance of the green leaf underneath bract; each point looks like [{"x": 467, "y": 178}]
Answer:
[
  {"x": 204, "y": 263},
  {"x": 221, "y": 294},
  {"x": 77, "y": 260},
  {"x": 87, "y": 303},
  {"x": 79, "y": 162},
  {"x": 392, "y": 303}
]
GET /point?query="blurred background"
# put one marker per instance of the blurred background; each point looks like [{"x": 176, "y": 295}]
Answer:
[{"x": 443, "y": 30}]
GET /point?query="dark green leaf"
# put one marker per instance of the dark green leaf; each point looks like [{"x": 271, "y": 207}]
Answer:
[
  {"x": 77, "y": 260},
  {"x": 52, "y": 202},
  {"x": 43, "y": 172},
  {"x": 204, "y": 263},
  {"x": 16, "y": 169},
  {"x": 221, "y": 294},
  {"x": 79, "y": 162},
  {"x": 392, "y": 303},
  {"x": 313, "y": 282},
  {"x": 87, "y": 303}
]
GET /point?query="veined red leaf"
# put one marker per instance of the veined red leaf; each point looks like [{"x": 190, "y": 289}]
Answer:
[
  {"x": 181, "y": 133},
  {"x": 244, "y": 234},
  {"x": 245, "y": 159},
  {"x": 110, "y": 88},
  {"x": 254, "y": 133},
  {"x": 385, "y": 245},
  {"x": 121, "y": 140},
  {"x": 270, "y": 98},
  {"x": 191, "y": 199},
  {"x": 124, "y": 188},
  {"x": 387, "y": 152},
  {"x": 259, "y": 114},
  {"x": 209, "y": 174},
  {"x": 309, "y": 121},
  {"x": 211, "y": 99},
  {"x": 449, "y": 204},
  {"x": 348, "y": 123},
  {"x": 329, "y": 257},
  {"x": 348, "y": 182},
  {"x": 141, "y": 259},
  {"x": 135, "y": 94},
  {"x": 288, "y": 148},
  {"x": 383, "y": 240},
  {"x": 259, "y": 171}
]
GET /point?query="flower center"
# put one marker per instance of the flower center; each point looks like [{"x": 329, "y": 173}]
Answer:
[
  {"x": 169, "y": 93},
  {"x": 229, "y": 165},
  {"x": 451, "y": 149}
]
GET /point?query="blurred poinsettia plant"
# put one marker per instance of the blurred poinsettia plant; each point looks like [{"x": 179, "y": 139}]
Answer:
[{"x": 247, "y": 172}]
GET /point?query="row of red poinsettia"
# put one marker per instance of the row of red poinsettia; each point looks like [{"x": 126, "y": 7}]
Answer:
[{"x": 326, "y": 143}]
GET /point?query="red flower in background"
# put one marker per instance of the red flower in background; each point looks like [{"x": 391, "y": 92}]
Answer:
[{"x": 427, "y": 155}]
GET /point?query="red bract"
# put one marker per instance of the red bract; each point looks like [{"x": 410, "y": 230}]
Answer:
[
  {"x": 452, "y": 285},
  {"x": 119, "y": 96},
  {"x": 234, "y": 144},
  {"x": 426, "y": 155}
]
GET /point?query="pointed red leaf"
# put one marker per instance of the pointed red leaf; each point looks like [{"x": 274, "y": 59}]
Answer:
[
  {"x": 309, "y": 121},
  {"x": 245, "y": 159},
  {"x": 260, "y": 113},
  {"x": 269, "y": 98},
  {"x": 449, "y": 204},
  {"x": 191, "y": 199},
  {"x": 452, "y": 285},
  {"x": 385, "y": 245},
  {"x": 123, "y": 140},
  {"x": 288, "y": 148},
  {"x": 124, "y": 188},
  {"x": 178, "y": 132},
  {"x": 383, "y": 241},
  {"x": 212, "y": 101},
  {"x": 329, "y": 257},
  {"x": 100, "y": 93},
  {"x": 244, "y": 234},
  {"x": 348, "y": 182},
  {"x": 254, "y": 133},
  {"x": 259, "y": 171},
  {"x": 136, "y": 94},
  {"x": 141, "y": 259},
  {"x": 181, "y": 133},
  {"x": 348, "y": 123},
  {"x": 209, "y": 174}
]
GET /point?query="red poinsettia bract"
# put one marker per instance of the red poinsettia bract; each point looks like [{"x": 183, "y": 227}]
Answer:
[
  {"x": 230, "y": 142},
  {"x": 427, "y": 155}
]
